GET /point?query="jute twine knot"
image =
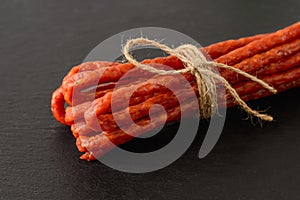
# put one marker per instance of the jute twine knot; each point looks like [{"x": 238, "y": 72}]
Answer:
[{"x": 197, "y": 64}]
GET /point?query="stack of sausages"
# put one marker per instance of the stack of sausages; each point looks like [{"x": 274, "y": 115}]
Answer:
[{"x": 273, "y": 58}]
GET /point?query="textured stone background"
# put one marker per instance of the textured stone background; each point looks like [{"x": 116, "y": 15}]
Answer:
[{"x": 41, "y": 40}]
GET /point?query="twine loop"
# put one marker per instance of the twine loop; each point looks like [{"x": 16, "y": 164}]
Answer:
[{"x": 197, "y": 64}]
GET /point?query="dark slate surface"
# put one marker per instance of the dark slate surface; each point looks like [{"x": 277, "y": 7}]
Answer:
[{"x": 41, "y": 40}]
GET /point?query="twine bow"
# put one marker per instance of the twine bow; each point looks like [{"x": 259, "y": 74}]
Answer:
[{"x": 196, "y": 63}]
